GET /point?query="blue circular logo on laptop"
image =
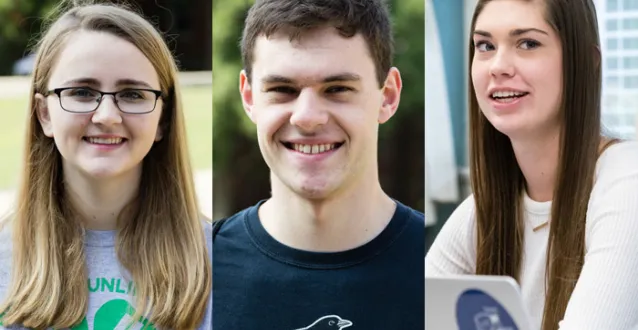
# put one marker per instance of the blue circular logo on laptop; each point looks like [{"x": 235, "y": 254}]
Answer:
[{"x": 477, "y": 310}]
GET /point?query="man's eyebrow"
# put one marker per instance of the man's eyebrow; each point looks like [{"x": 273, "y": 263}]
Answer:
[
  {"x": 513, "y": 33},
  {"x": 341, "y": 77},
  {"x": 274, "y": 79}
]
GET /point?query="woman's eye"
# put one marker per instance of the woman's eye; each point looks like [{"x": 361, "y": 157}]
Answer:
[
  {"x": 80, "y": 93},
  {"x": 530, "y": 44},
  {"x": 483, "y": 46}
]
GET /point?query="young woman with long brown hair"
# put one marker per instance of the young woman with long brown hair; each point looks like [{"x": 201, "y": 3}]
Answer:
[
  {"x": 555, "y": 202},
  {"x": 106, "y": 196}
]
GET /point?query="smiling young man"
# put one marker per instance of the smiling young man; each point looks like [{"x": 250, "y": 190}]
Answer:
[{"x": 330, "y": 249}]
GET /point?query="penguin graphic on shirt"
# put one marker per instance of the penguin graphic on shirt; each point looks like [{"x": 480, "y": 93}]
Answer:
[{"x": 329, "y": 322}]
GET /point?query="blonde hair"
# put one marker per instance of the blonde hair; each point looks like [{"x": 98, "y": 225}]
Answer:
[{"x": 163, "y": 248}]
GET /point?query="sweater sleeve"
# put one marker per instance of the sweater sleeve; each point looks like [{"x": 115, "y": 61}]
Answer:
[
  {"x": 453, "y": 251},
  {"x": 606, "y": 293}
]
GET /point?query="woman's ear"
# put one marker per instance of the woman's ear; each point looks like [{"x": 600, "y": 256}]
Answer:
[{"x": 42, "y": 111}]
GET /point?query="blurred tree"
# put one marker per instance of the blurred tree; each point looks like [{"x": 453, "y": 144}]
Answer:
[
  {"x": 186, "y": 25},
  {"x": 241, "y": 177},
  {"x": 19, "y": 21}
]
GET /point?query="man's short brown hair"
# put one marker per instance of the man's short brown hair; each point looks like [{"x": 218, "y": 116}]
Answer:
[{"x": 371, "y": 18}]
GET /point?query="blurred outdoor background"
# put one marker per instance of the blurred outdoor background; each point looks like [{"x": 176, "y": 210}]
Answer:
[
  {"x": 447, "y": 181},
  {"x": 187, "y": 29},
  {"x": 241, "y": 176}
]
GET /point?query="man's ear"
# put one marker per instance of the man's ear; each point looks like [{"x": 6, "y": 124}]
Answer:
[
  {"x": 391, "y": 93},
  {"x": 246, "y": 92},
  {"x": 42, "y": 111}
]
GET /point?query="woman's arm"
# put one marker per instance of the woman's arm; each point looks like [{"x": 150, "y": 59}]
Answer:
[{"x": 606, "y": 294}]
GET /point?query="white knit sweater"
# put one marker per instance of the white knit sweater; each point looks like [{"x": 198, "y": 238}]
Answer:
[{"x": 606, "y": 294}]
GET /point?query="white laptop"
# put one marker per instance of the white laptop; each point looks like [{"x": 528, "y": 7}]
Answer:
[{"x": 472, "y": 302}]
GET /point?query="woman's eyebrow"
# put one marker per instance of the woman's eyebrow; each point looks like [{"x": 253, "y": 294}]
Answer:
[{"x": 513, "y": 33}]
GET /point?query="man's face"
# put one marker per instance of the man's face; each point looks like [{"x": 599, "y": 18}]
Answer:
[{"x": 317, "y": 106}]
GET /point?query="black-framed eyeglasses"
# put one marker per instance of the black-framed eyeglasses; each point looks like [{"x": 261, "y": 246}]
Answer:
[{"x": 86, "y": 99}]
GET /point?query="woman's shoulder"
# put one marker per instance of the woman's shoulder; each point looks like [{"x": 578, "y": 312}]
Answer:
[
  {"x": 5, "y": 254},
  {"x": 453, "y": 250},
  {"x": 6, "y": 228},
  {"x": 460, "y": 226},
  {"x": 615, "y": 189},
  {"x": 617, "y": 161},
  {"x": 465, "y": 211},
  {"x": 207, "y": 224}
]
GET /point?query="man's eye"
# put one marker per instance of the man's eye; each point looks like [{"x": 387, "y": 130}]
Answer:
[
  {"x": 282, "y": 90},
  {"x": 338, "y": 89}
]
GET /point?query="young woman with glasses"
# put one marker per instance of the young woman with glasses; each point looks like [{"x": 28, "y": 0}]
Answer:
[{"x": 106, "y": 232}]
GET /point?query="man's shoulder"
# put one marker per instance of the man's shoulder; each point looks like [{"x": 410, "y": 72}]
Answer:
[
  {"x": 414, "y": 216},
  {"x": 234, "y": 217},
  {"x": 232, "y": 222},
  {"x": 408, "y": 224}
]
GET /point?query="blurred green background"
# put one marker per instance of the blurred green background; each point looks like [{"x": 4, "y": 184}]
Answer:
[
  {"x": 186, "y": 26},
  {"x": 240, "y": 174}
]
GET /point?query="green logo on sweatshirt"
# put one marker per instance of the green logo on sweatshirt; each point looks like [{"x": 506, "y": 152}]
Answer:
[
  {"x": 112, "y": 285},
  {"x": 115, "y": 314}
]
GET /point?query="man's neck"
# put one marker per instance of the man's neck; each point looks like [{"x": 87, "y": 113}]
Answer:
[
  {"x": 100, "y": 202},
  {"x": 340, "y": 223}
]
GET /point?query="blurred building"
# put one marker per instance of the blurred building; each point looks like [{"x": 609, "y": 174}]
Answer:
[
  {"x": 445, "y": 109},
  {"x": 618, "y": 24}
]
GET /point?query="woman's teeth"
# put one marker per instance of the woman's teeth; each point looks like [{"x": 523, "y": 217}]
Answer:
[
  {"x": 507, "y": 97},
  {"x": 96, "y": 140}
]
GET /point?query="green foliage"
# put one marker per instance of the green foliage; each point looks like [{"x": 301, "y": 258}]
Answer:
[
  {"x": 409, "y": 31},
  {"x": 228, "y": 116},
  {"x": 20, "y": 22}
]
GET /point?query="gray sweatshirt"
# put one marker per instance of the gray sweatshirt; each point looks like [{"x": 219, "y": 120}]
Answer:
[{"x": 110, "y": 292}]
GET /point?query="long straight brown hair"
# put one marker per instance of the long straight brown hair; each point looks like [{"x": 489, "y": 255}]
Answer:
[
  {"x": 163, "y": 247},
  {"x": 497, "y": 181}
]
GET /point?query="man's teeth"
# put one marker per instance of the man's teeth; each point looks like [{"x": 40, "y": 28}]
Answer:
[
  {"x": 313, "y": 149},
  {"x": 507, "y": 94},
  {"x": 104, "y": 141}
]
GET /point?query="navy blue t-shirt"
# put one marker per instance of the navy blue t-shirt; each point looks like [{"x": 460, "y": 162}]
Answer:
[{"x": 261, "y": 284}]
